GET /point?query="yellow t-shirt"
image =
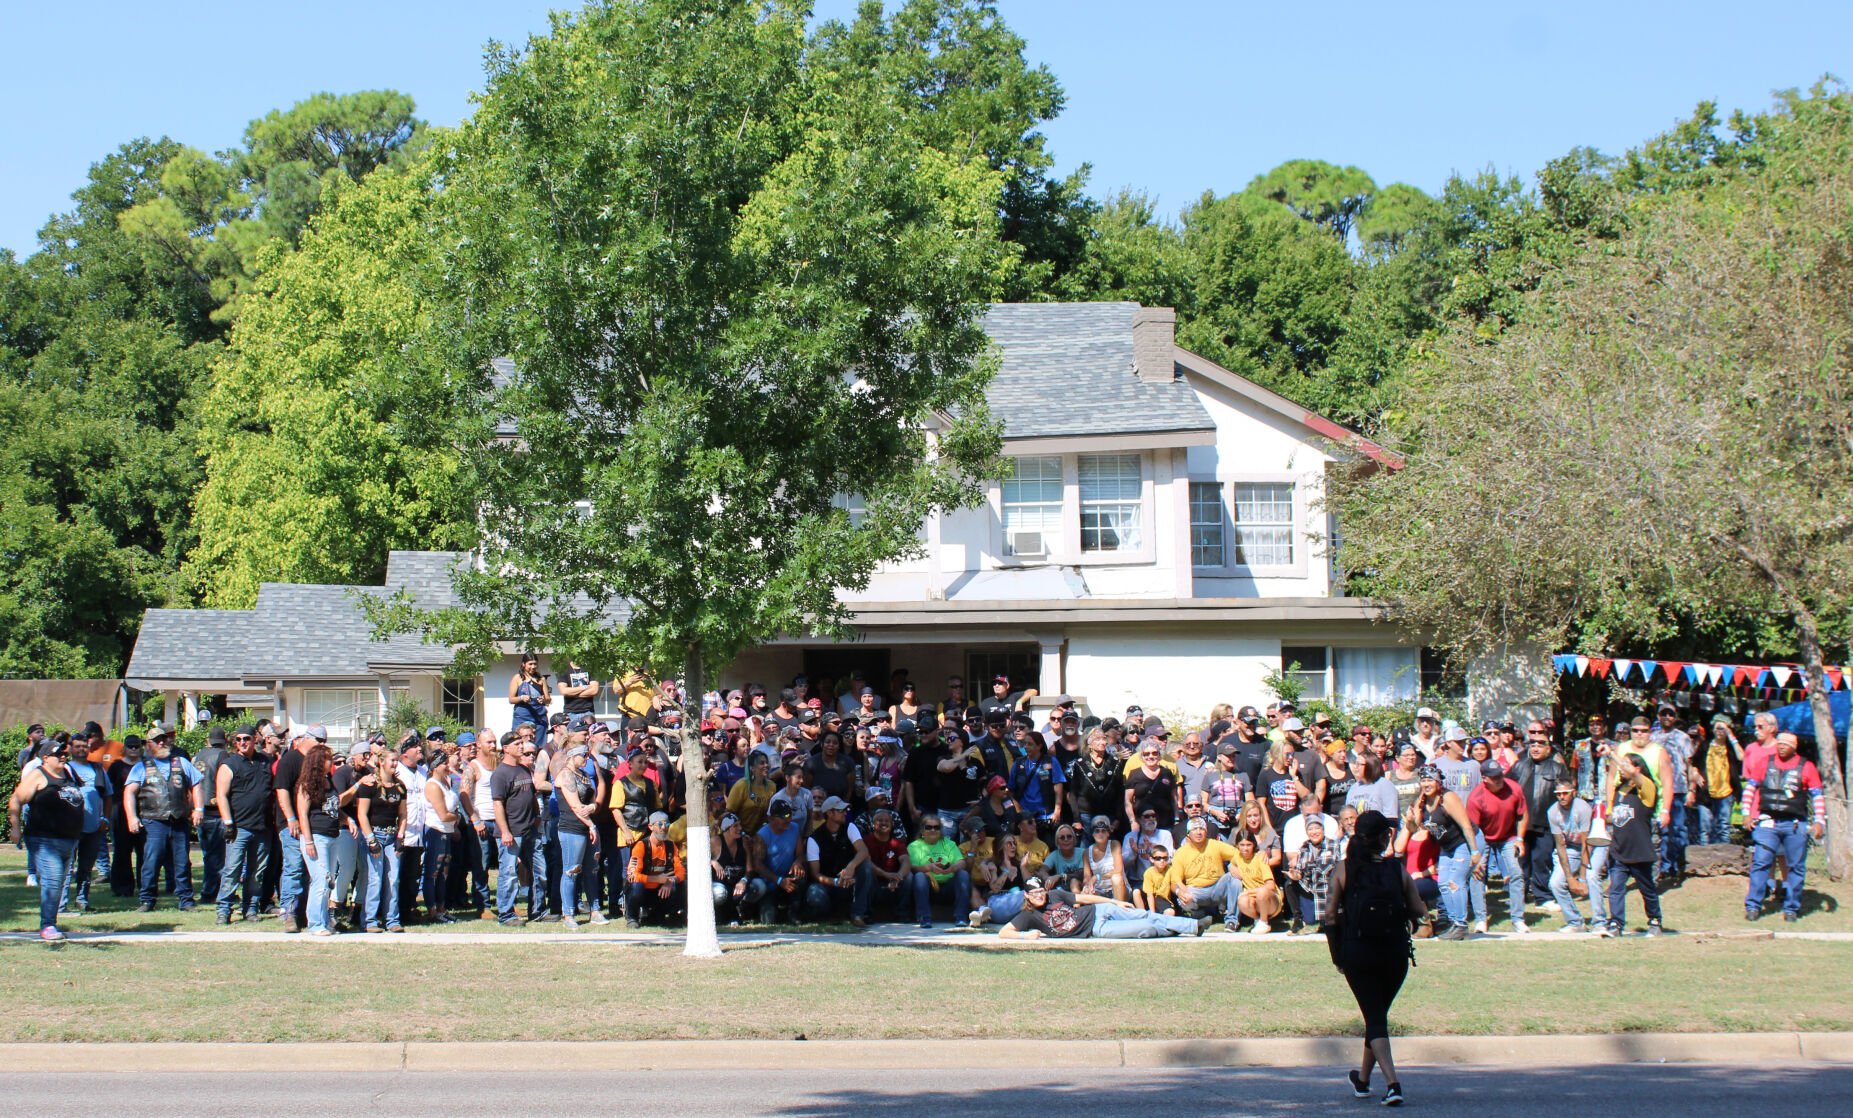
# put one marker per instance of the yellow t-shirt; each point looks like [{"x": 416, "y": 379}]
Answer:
[
  {"x": 749, "y": 800},
  {"x": 1201, "y": 869},
  {"x": 1253, "y": 872},
  {"x": 1718, "y": 770},
  {"x": 1035, "y": 853},
  {"x": 634, "y": 694},
  {"x": 980, "y": 849},
  {"x": 1157, "y": 883}
]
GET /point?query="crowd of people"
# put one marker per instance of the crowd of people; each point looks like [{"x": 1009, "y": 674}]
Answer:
[{"x": 836, "y": 804}]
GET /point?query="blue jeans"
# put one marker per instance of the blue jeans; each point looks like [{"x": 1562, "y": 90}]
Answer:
[
  {"x": 92, "y": 856},
  {"x": 165, "y": 844},
  {"x": 1643, "y": 875},
  {"x": 321, "y": 869},
  {"x": 247, "y": 855},
  {"x": 1560, "y": 888},
  {"x": 1454, "y": 871},
  {"x": 1789, "y": 838},
  {"x": 437, "y": 870},
  {"x": 50, "y": 859},
  {"x": 525, "y": 850},
  {"x": 1504, "y": 857},
  {"x": 1598, "y": 877},
  {"x": 1214, "y": 900},
  {"x": 1673, "y": 838},
  {"x": 1715, "y": 819},
  {"x": 1113, "y": 922},
  {"x": 959, "y": 889},
  {"x": 820, "y": 899},
  {"x": 293, "y": 882},
  {"x": 1004, "y": 906},
  {"x": 573, "y": 862},
  {"x": 382, "y": 879},
  {"x": 211, "y": 855},
  {"x": 350, "y": 873}
]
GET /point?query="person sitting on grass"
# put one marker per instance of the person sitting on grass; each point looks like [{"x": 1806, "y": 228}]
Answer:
[
  {"x": 1059, "y": 914},
  {"x": 939, "y": 870},
  {"x": 1259, "y": 899}
]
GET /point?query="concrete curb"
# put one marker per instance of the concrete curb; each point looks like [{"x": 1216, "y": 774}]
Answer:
[{"x": 1761, "y": 1049}]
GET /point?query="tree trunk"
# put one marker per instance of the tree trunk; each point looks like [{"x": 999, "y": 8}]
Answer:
[
  {"x": 702, "y": 941},
  {"x": 1833, "y": 772}
]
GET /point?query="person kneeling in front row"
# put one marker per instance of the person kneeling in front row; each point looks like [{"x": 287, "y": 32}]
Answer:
[{"x": 1059, "y": 914}]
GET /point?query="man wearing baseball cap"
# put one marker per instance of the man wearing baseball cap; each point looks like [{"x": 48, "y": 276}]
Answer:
[
  {"x": 1427, "y": 736},
  {"x": 839, "y": 867}
]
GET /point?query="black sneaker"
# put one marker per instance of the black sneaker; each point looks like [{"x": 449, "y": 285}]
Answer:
[
  {"x": 1456, "y": 932},
  {"x": 145, "y": 907},
  {"x": 222, "y": 918},
  {"x": 1393, "y": 1095},
  {"x": 509, "y": 921},
  {"x": 1360, "y": 1087},
  {"x": 1791, "y": 917},
  {"x": 1752, "y": 915}
]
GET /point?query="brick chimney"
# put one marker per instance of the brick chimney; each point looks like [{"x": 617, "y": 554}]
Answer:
[{"x": 1153, "y": 337}]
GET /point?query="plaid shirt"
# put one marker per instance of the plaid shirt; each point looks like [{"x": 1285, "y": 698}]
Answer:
[{"x": 1315, "y": 864}]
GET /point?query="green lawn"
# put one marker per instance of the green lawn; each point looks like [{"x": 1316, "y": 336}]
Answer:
[{"x": 356, "y": 990}]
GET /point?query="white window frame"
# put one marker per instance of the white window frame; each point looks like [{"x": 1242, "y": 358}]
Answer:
[
  {"x": 1204, "y": 508},
  {"x": 1049, "y": 516},
  {"x": 1302, "y": 545},
  {"x": 1066, "y": 552},
  {"x": 1118, "y": 503},
  {"x": 344, "y": 718}
]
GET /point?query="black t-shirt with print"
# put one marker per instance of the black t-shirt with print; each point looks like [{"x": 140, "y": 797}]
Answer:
[
  {"x": 1158, "y": 793},
  {"x": 383, "y": 802},
  {"x": 514, "y": 786},
  {"x": 1060, "y": 918},
  {"x": 344, "y": 778}
]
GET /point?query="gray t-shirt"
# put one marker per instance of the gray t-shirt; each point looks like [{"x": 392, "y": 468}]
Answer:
[
  {"x": 1578, "y": 821},
  {"x": 1458, "y": 777}
]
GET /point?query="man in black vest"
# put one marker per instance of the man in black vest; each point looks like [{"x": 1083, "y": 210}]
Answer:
[
  {"x": 840, "y": 869},
  {"x": 242, "y": 790},
  {"x": 163, "y": 803}
]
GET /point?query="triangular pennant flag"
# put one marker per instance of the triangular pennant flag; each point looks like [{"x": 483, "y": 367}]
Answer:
[
  {"x": 1622, "y": 667},
  {"x": 1782, "y": 675},
  {"x": 1599, "y": 666},
  {"x": 1742, "y": 676},
  {"x": 1762, "y": 677},
  {"x": 1582, "y": 665},
  {"x": 1561, "y": 664},
  {"x": 1833, "y": 678},
  {"x": 1714, "y": 674},
  {"x": 1647, "y": 671},
  {"x": 1675, "y": 671}
]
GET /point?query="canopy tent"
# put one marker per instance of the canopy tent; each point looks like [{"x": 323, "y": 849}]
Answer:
[{"x": 1798, "y": 718}]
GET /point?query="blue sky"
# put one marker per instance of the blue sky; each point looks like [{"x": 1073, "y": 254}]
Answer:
[{"x": 1171, "y": 96}]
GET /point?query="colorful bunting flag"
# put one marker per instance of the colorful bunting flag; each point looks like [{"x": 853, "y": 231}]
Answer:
[
  {"x": 1782, "y": 675},
  {"x": 1599, "y": 667},
  {"x": 1647, "y": 671},
  {"x": 1622, "y": 668}
]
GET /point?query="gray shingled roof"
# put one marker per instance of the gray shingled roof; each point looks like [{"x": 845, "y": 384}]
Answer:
[
  {"x": 1067, "y": 370},
  {"x": 193, "y": 644},
  {"x": 296, "y": 631}
]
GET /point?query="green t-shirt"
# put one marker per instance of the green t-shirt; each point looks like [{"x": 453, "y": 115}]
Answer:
[{"x": 920, "y": 852}]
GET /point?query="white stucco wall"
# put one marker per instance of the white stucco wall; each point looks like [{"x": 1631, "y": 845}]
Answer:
[{"x": 1177, "y": 674}]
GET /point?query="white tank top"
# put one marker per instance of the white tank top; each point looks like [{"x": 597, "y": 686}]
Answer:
[
  {"x": 485, "y": 807},
  {"x": 451, "y": 802}
]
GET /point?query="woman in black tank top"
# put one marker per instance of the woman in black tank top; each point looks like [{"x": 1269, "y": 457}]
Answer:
[
  {"x": 51, "y": 800},
  {"x": 1377, "y": 905}
]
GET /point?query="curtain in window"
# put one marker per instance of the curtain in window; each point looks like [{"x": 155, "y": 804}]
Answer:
[{"x": 1376, "y": 676}]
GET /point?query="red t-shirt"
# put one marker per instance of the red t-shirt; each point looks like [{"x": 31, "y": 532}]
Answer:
[
  {"x": 885, "y": 856},
  {"x": 1496, "y": 813}
]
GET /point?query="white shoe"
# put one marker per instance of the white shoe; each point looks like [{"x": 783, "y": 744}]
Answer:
[
  {"x": 1551, "y": 906},
  {"x": 979, "y": 916},
  {"x": 1260, "y": 929},
  {"x": 1519, "y": 927},
  {"x": 1479, "y": 927},
  {"x": 567, "y": 922},
  {"x": 1603, "y": 931}
]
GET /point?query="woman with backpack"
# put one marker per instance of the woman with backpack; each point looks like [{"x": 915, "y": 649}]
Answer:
[{"x": 1372, "y": 905}]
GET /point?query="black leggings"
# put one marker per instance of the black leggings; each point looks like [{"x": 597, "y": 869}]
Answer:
[{"x": 1375, "y": 978}]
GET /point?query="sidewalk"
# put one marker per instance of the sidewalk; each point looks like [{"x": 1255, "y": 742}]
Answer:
[
  {"x": 893, "y": 935},
  {"x": 1569, "y": 1050}
]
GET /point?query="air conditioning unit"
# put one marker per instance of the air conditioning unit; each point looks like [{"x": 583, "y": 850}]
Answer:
[{"x": 1027, "y": 542}]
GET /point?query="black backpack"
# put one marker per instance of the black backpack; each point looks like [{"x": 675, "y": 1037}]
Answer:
[{"x": 1376, "y": 909}]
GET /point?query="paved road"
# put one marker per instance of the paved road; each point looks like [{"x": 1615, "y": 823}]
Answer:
[{"x": 1690, "y": 1091}]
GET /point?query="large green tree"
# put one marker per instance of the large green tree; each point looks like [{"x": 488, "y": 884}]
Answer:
[
  {"x": 1657, "y": 434},
  {"x": 738, "y": 282},
  {"x": 323, "y": 431}
]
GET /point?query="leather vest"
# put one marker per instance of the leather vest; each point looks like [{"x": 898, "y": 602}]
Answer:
[
  {"x": 1782, "y": 794},
  {"x": 834, "y": 851},
  {"x": 164, "y": 800}
]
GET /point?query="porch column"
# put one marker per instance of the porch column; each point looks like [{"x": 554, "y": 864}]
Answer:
[
  {"x": 189, "y": 706},
  {"x": 169, "y": 708},
  {"x": 1049, "y": 682}
]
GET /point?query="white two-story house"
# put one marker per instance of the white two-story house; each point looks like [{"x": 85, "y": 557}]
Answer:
[{"x": 1159, "y": 541}]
